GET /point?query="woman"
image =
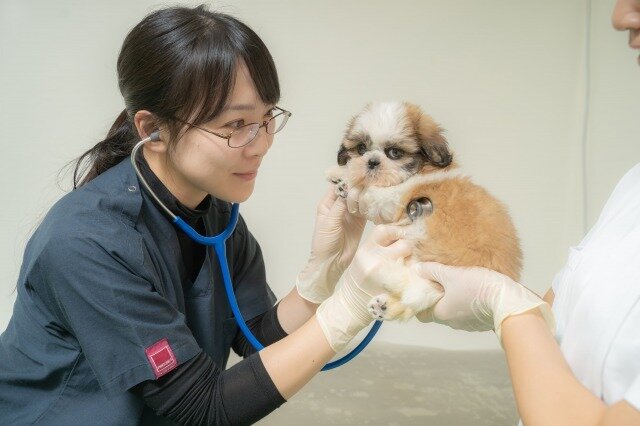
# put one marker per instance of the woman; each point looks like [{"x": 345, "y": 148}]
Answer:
[
  {"x": 593, "y": 377},
  {"x": 120, "y": 318}
]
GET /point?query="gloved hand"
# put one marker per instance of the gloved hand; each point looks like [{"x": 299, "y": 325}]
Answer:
[
  {"x": 346, "y": 312},
  {"x": 335, "y": 240},
  {"x": 478, "y": 299}
]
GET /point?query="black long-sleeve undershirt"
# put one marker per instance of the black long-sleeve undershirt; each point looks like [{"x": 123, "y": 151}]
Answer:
[{"x": 197, "y": 392}]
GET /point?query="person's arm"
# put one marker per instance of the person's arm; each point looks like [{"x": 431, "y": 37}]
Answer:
[
  {"x": 546, "y": 391},
  {"x": 549, "y": 296},
  {"x": 294, "y": 311},
  {"x": 197, "y": 392},
  {"x": 294, "y": 360},
  {"x": 265, "y": 327}
]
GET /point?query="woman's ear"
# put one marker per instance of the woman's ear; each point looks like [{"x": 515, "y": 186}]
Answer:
[{"x": 146, "y": 124}]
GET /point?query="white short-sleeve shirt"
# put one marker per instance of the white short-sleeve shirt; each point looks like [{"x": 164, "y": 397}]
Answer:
[{"x": 597, "y": 299}]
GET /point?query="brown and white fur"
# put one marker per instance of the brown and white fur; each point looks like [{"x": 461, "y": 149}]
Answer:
[{"x": 399, "y": 160}]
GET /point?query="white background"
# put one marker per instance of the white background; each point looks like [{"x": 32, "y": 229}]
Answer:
[{"x": 515, "y": 83}]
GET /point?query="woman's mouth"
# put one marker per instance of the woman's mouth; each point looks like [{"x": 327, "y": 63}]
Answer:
[{"x": 247, "y": 176}]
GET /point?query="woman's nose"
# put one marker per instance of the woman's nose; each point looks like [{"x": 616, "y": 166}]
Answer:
[
  {"x": 260, "y": 145},
  {"x": 626, "y": 15}
]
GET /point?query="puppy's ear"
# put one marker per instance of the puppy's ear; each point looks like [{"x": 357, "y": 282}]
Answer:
[
  {"x": 430, "y": 135},
  {"x": 343, "y": 155}
]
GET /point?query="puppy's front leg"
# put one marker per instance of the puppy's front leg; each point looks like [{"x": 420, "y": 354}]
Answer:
[
  {"x": 382, "y": 204},
  {"x": 407, "y": 294}
]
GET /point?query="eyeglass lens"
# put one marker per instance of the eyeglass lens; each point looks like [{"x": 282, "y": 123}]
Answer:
[{"x": 246, "y": 134}]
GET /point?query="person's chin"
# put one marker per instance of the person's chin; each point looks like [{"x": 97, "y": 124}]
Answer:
[{"x": 242, "y": 194}]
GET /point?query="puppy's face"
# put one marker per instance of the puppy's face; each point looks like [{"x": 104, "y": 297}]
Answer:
[{"x": 388, "y": 142}]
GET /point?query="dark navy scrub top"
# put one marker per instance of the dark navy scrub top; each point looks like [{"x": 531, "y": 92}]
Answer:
[{"x": 102, "y": 281}]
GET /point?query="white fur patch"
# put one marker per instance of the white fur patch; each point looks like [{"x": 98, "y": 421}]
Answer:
[
  {"x": 383, "y": 121},
  {"x": 382, "y": 203}
]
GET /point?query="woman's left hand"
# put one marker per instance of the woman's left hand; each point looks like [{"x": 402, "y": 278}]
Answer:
[
  {"x": 477, "y": 299},
  {"x": 335, "y": 240}
]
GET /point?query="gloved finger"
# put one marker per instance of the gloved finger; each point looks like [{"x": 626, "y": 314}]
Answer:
[
  {"x": 426, "y": 315},
  {"x": 433, "y": 271},
  {"x": 352, "y": 200},
  {"x": 338, "y": 208},
  {"x": 328, "y": 200},
  {"x": 384, "y": 235},
  {"x": 398, "y": 250}
]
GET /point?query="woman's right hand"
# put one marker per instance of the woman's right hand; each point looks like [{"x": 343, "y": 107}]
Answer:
[{"x": 345, "y": 313}]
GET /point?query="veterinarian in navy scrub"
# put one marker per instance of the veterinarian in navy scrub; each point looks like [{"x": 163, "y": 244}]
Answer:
[
  {"x": 591, "y": 375},
  {"x": 122, "y": 319}
]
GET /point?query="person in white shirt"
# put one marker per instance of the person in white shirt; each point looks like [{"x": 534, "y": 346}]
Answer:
[{"x": 591, "y": 374}]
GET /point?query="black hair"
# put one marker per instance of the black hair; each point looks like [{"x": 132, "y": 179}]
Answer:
[{"x": 179, "y": 63}]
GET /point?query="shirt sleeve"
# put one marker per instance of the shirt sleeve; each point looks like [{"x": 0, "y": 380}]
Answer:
[
  {"x": 265, "y": 327},
  {"x": 197, "y": 392},
  {"x": 632, "y": 396},
  {"x": 249, "y": 276},
  {"x": 108, "y": 302}
]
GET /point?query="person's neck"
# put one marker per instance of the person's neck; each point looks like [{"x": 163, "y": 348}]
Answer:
[{"x": 172, "y": 181}]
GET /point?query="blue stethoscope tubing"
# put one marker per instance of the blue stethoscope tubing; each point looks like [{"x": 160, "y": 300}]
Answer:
[{"x": 218, "y": 244}]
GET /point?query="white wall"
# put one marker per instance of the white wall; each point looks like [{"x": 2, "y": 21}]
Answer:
[{"x": 505, "y": 78}]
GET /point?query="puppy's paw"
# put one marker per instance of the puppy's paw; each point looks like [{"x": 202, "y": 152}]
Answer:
[
  {"x": 387, "y": 307},
  {"x": 378, "y": 306},
  {"x": 337, "y": 176}
]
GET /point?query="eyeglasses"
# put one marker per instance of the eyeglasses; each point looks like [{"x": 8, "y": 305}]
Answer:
[{"x": 243, "y": 135}]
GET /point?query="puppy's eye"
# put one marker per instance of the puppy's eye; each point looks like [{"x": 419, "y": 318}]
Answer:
[
  {"x": 362, "y": 148},
  {"x": 394, "y": 153},
  {"x": 419, "y": 207}
]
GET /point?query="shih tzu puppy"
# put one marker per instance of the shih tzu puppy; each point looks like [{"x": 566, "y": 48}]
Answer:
[{"x": 398, "y": 161}]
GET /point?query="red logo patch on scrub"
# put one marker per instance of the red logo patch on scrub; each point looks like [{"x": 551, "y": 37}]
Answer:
[{"x": 161, "y": 358}]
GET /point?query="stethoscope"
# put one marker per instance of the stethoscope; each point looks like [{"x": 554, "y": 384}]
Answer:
[{"x": 218, "y": 243}]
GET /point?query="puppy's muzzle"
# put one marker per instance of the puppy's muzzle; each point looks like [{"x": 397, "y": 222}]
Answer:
[{"x": 373, "y": 163}]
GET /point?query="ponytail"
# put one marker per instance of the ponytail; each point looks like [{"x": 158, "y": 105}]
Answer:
[{"x": 107, "y": 153}]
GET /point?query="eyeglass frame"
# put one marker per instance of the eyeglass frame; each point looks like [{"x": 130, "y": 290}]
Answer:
[{"x": 260, "y": 125}]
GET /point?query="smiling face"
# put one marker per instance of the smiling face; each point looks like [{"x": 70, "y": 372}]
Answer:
[
  {"x": 201, "y": 163},
  {"x": 626, "y": 17},
  {"x": 388, "y": 142}
]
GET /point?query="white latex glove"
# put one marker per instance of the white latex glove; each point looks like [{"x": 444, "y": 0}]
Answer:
[
  {"x": 346, "y": 312},
  {"x": 478, "y": 299},
  {"x": 335, "y": 240}
]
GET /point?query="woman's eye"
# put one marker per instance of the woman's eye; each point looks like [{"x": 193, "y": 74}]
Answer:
[
  {"x": 394, "y": 153},
  {"x": 235, "y": 124},
  {"x": 362, "y": 148}
]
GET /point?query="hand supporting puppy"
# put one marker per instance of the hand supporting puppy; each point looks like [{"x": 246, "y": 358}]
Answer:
[
  {"x": 346, "y": 312},
  {"x": 478, "y": 299},
  {"x": 335, "y": 241}
]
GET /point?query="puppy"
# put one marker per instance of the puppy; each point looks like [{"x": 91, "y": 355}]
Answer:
[{"x": 398, "y": 160}]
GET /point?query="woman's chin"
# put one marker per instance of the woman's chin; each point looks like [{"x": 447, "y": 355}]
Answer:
[{"x": 235, "y": 197}]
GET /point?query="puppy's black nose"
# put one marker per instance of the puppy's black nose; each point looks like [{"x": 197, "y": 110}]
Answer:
[{"x": 373, "y": 163}]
